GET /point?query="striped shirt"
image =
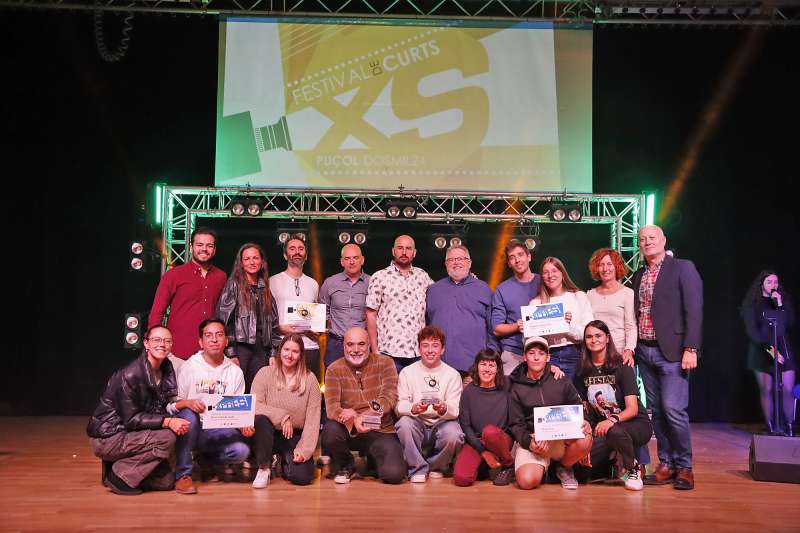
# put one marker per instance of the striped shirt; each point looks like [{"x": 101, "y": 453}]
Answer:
[{"x": 647, "y": 330}]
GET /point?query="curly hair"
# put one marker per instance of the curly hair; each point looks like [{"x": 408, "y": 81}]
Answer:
[{"x": 620, "y": 268}]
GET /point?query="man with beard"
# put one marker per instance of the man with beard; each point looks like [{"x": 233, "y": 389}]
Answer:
[
  {"x": 293, "y": 285},
  {"x": 191, "y": 292},
  {"x": 396, "y": 305},
  {"x": 360, "y": 394}
]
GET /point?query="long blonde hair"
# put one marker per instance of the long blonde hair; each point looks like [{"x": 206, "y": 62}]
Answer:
[
  {"x": 299, "y": 385},
  {"x": 569, "y": 285}
]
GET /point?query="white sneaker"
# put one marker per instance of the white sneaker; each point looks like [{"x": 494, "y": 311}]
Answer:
[
  {"x": 434, "y": 474},
  {"x": 632, "y": 479},
  {"x": 343, "y": 476},
  {"x": 262, "y": 478},
  {"x": 419, "y": 478},
  {"x": 567, "y": 478}
]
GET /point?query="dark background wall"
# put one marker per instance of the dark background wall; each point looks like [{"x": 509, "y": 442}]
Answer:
[{"x": 81, "y": 138}]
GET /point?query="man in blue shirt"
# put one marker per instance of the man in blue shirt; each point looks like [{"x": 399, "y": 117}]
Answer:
[
  {"x": 510, "y": 295},
  {"x": 460, "y": 305}
]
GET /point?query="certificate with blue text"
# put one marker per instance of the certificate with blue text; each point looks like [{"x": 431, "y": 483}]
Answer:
[
  {"x": 544, "y": 319},
  {"x": 228, "y": 411},
  {"x": 558, "y": 422}
]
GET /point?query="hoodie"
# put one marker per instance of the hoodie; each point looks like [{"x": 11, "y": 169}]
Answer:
[{"x": 527, "y": 393}]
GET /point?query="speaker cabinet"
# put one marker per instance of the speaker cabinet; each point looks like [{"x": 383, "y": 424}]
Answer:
[{"x": 775, "y": 458}]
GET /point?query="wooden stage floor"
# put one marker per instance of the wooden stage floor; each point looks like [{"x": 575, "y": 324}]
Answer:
[{"x": 49, "y": 482}]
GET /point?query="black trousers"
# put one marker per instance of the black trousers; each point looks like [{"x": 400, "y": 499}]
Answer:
[
  {"x": 384, "y": 449},
  {"x": 269, "y": 439},
  {"x": 624, "y": 438},
  {"x": 252, "y": 358}
]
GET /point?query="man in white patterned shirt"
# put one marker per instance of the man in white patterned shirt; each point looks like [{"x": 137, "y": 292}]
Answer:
[{"x": 396, "y": 305}]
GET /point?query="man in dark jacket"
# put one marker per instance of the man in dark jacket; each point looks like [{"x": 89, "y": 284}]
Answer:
[
  {"x": 533, "y": 385},
  {"x": 130, "y": 429}
]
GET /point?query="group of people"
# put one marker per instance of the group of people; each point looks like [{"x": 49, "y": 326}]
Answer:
[{"x": 422, "y": 378}]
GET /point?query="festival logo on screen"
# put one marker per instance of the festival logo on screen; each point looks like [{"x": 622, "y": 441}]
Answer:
[{"x": 418, "y": 105}]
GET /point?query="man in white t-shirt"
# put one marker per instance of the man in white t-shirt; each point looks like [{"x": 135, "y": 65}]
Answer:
[
  {"x": 292, "y": 285},
  {"x": 208, "y": 372},
  {"x": 429, "y": 393}
]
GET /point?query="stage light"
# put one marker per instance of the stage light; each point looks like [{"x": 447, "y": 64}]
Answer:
[
  {"x": 440, "y": 242},
  {"x": 137, "y": 248},
  {"x": 137, "y": 263},
  {"x": 254, "y": 207},
  {"x": 401, "y": 207},
  {"x": 446, "y": 235},
  {"x": 291, "y": 230},
  {"x": 143, "y": 257},
  {"x": 455, "y": 241},
  {"x": 649, "y": 208},
  {"x": 531, "y": 243},
  {"x": 133, "y": 333},
  {"x": 560, "y": 212},
  {"x": 283, "y": 237},
  {"x": 529, "y": 235},
  {"x": 344, "y": 237},
  {"x": 360, "y": 238},
  {"x": 352, "y": 232},
  {"x": 237, "y": 207}
]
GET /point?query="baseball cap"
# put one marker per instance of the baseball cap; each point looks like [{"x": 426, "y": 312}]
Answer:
[{"x": 529, "y": 341}]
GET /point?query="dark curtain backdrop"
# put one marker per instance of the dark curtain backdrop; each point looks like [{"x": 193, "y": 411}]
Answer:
[{"x": 81, "y": 138}]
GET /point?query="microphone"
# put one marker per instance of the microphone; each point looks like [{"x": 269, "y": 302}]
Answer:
[{"x": 776, "y": 299}]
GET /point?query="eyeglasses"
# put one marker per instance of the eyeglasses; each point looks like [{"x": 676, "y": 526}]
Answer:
[
  {"x": 158, "y": 340},
  {"x": 297, "y": 287},
  {"x": 453, "y": 260}
]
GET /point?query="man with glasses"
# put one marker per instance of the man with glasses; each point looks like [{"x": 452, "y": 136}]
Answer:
[
  {"x": 292, "y": 285},
  {"x": 191, "y": 292},
  {"x": 345, "y": 296},
  {"x": 461, "y": 305},
  {"x": 396, "y": 305},
  {"x": 208, "y": 372}
]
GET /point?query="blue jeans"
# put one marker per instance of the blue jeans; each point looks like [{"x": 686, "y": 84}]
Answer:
[
  {"x": 445, "y": 438},
  {"x": 667, "y": 388},
  {"x": 224, "y": 446},
  {"x": 566, "y": 358}
]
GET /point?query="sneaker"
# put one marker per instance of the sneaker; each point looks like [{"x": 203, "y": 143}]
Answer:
[
  {"x": 567, "y": 478},
  {"x": 262, "y": 478},
  {"x": 118, "y": 486},
  {"x": 185, "y": 486},
  {"x": 504, "y": 477},
  {"x": 632, "y": 479},
  {"x": 419, "y": 478},
  {"x": 343, "y": 476},
  {"x": 435, "y": 474}
]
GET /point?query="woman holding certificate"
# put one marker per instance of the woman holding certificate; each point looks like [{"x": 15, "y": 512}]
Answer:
[
  {"x": 610, "y": 396},
  {"x": 612, "y": 302},
  {"x": 287, "y": 414},
  {"x": 249, "y": 312},
  {"x": 558, "y": 288}
]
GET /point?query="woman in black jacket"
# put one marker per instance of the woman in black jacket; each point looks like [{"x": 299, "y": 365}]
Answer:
[
  {"x": 766, "y": 299},
  {"x": 249, "y": 312},
  {"x": 533, "y": 385},
  {"x": 131, "y": 430}
]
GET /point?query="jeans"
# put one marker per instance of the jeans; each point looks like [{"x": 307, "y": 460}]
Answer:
[
  {"x": 382, "y": 448},
  {"x": 495, "y": 440},
  {"x": 667, "y": 388},
  {"x": 443, "y": 440},
  {"x": 224, "y": 446},
  {"x": 269, "y": 439},
  {"x": 566, "y": 358}
]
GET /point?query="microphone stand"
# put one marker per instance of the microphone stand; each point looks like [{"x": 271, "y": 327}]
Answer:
[{"x": 777, "y": 382}]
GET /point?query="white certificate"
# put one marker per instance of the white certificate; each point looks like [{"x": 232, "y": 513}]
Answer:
[
  {"x": 544, "y": 319},
  {"x": 228, "y": 411},
  {"x": 304, "y": 316},
  {"x": 558, "y": 422}
]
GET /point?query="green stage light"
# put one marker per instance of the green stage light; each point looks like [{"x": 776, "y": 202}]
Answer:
[{"x": 650, "y": 208}]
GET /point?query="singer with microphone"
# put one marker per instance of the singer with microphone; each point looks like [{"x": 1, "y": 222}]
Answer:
[{"x": 764, "y": 302}]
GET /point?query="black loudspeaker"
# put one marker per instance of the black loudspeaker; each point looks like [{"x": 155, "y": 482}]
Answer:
[{"x": 775, "y": 459}]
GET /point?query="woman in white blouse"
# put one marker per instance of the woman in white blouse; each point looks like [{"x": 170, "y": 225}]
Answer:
[
  {"x": 612, "y": 302},
  {"x": 557, "y": 287}
]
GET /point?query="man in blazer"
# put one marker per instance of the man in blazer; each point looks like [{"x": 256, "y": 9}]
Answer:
[{"x": 669, "y": 312}]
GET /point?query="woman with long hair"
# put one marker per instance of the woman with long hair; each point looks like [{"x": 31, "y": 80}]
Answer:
[
  {"x": 287, "y": 414},
  {"x": 483, "y": 415},
  {"x": 766, "y": 299},
  {"x": 249, "y": 312},
  {"x": 610, "y": 397},
  {"x": 558, "y": 287},
  {"x": 612, "y": 302}
]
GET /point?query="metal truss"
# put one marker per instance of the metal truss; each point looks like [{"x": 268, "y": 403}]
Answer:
[
  {"x": 181, "y": 206},
  {"x": 665, "y": 12}
]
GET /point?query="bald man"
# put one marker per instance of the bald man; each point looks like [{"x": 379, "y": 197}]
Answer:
[
  {"x": 396, "y": 305},
  {"x": 345, "y": 295},
  {"x": 668, "y": 300}
]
